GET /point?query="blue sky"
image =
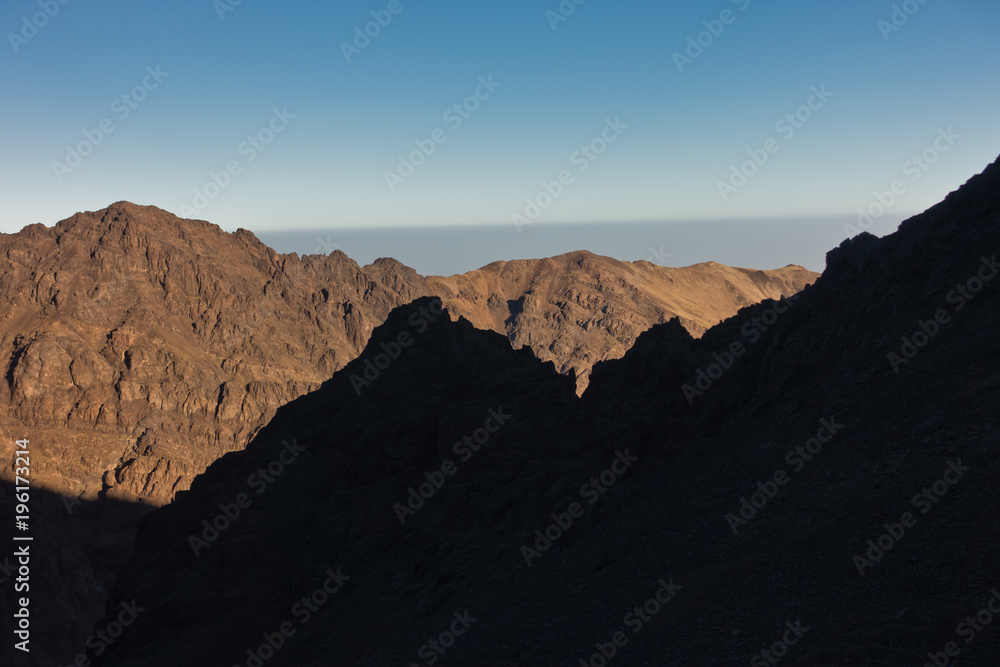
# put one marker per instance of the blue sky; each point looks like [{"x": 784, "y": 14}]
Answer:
[{"x": 343, "y": 125}]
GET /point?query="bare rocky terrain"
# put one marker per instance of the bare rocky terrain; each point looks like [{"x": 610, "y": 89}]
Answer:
[
  {"x": 141, "y": 347},
  {"x": 579, "y": 309},
  {"x": 824, "y": 495},
  {"x": 138, "y": 348}
]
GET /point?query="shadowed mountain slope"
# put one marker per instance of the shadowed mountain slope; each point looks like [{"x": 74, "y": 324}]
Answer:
[
  {"x": 139, "y": 347},
  {"x": 813, "y": 478},
  {"x": 142, "y": 346},
  {"x": 578, "y": 309}
]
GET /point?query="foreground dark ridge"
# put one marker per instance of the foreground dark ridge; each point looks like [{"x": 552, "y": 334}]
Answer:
[
  {"x": 811, "y": 502},
  {"x": 143, "y": 346},
  {"x": 139, "y": 347}
]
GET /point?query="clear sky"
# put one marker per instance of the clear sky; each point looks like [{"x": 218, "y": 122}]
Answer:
[{"x": 200, "y": 78}]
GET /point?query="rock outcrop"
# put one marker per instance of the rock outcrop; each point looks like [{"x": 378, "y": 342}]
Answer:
[
  {"x": 138, "y": 348},
  {"x": 141, "y": 347},
  {"x": 826, "y": 492}
]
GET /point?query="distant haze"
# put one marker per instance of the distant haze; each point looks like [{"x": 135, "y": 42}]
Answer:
[
  {"x": 754, "y": 244},
  {"x": 274, "y": 116}
]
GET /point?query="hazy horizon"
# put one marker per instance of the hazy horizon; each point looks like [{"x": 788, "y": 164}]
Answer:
[
  {"x": 551, "y": 114},
  {"x": 756, "y": 244},
  {"x": 245, "y": 459}
]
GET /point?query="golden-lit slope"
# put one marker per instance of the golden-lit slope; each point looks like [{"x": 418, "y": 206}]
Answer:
[
  {"x": 140, "y": 347},
  {"x": 579, "y": 308}
]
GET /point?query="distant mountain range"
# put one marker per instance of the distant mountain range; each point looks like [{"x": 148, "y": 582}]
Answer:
[
  {"x": 161, "y": 344},
  {"x": 139, "y": 348},
  {"x": 813, "y": 481}
]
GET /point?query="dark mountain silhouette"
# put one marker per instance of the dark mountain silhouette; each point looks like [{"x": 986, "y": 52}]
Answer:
[
  {"x": 74, "y": 557},
  {"x": 142, "y": 347},
  {"x": 813, "y": 481},
  {"x": 138, "y": 347}
]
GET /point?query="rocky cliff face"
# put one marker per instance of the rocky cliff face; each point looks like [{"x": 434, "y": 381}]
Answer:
[
  {"x": 813, "y": 479},
  {"x": 578, "y": 309},
  {"x": 138, "y": 348},
  {"x": 141, "y": 347}
]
